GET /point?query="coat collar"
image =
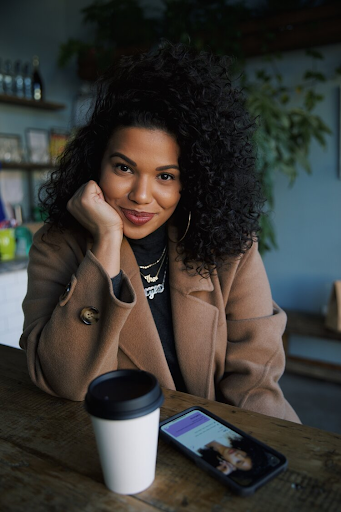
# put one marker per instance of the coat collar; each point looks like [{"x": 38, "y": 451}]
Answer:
[
  {"x": 195, "y": 322},
  {"x": 180, "y": 279}
]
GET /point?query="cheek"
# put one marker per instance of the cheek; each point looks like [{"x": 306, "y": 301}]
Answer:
[
  {"x": 169, "y": 198},
  {"x": 111, "y": 187}
]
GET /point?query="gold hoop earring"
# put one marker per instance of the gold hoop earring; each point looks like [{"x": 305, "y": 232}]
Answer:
[{"x": 183, "y": 236}]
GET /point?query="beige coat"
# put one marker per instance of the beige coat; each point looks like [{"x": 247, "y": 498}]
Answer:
[{"x": 228, "y": 332}]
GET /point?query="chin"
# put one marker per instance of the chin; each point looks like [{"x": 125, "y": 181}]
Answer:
[{"x": 138, "y": 232}]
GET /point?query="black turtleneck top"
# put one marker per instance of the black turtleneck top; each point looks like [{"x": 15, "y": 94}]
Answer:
[{"x": 148, "y": 250}]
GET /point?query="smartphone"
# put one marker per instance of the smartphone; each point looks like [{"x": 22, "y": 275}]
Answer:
[{"x": 233, "y": 457}]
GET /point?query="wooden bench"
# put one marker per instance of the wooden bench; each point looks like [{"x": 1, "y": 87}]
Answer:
[{"x": 310, "y": 324}]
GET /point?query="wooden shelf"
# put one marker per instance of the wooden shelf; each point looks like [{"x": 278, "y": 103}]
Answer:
[
  {"x": 292, "y": 30},
  {"x": 23, "y": 102},
  {"x": 314, "y": 369},
  {"x": 303, "y": 323},
  {"x": 25, "y": 166}
]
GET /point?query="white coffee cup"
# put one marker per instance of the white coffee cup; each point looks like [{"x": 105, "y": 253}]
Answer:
[{"x": 125, "y": 408}]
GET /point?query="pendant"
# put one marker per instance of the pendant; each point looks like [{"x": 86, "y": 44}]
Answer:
[
  {"x": 153, "y": 290},
  {"x": 150, "y": 279}
]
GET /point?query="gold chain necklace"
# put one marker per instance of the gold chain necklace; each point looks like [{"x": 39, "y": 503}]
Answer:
[
  {"x": 151, "y": 291},
  {"x": 156, "y": 262},
  {"x": 153, "y": 279}
]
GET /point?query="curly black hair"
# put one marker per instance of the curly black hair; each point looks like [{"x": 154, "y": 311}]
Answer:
[
  {"x": 189, "y": 95},
  {"x": 258, "y": 456}
]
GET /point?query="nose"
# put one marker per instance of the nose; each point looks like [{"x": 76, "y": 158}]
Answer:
[{"x": 141, "y": 191}]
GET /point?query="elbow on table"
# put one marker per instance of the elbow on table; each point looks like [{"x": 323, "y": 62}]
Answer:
[
  {"x": 46, "y": 376},
  {"x": 75, "y": 393}
]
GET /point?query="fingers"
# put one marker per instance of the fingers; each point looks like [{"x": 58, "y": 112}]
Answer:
[{"x": 89, "y": 207}]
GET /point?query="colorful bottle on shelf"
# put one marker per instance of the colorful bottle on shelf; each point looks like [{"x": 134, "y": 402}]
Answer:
[
  {"x": 8, "y": 78},
  {"x": 2, "y": 90},
  {"x": 18, "y": 80},
  {"x": 37, "y": 84},
  {"x": 27, "y": 81}
]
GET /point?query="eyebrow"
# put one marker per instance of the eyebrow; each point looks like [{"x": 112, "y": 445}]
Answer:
[
  {"x": 121, "y": 155},
  {"x": 134, "y": 164}
]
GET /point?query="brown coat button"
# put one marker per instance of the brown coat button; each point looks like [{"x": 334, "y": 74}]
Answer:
[
  {"x": 89, "y": 315},
  {"x": 66, "y": 291}
]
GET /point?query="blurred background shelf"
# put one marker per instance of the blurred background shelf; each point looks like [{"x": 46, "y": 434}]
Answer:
[
  {"x": 23, "y": 102},
  {"x": 25, "y": 166}
]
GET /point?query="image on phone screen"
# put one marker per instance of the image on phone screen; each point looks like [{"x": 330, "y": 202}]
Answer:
[{"x": 237, "y": 457}]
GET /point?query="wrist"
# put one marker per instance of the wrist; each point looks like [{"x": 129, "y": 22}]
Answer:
[
  {"x": 108, "y": 236},
  {"x": 107, "y": 251}
]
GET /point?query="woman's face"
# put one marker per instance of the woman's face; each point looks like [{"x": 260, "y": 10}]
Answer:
[
  {"x": 140, "y": 178},
  {"x": 238, "y": 458}
]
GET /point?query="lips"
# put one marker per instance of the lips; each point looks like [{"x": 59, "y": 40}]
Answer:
[{"x": 137, "y": 218}]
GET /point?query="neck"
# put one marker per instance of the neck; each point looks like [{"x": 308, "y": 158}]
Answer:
[{"x": 150, "y": 247}]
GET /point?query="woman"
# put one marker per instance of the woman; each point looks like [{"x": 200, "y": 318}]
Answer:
[
  {"x": 214, "y": 459},
  {"x": 239, "y": 459},
  {"x": 242, "y": 457},
  {"x": 149, "y": 257}
]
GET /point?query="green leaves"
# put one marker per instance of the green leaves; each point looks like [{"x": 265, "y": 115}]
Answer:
[
  {"x": 285, "y": 133},
  {"x": 314, "y": 75},
  {"x": 283, "y": 140},
  {"x": 314, "y": 53},
  {"x": 115, "y": 23}
]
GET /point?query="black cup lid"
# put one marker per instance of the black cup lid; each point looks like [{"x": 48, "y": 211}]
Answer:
[{"x": 123, "y": 394}]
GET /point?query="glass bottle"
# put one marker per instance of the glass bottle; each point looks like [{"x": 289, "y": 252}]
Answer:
[
  {"x": 27, "y": 81},
  {"x": 18, "y": 80},
  {"x": 8, "y": 77},
  {"x": 2, "y": 90},
  {"x": 37, "y": 84}
]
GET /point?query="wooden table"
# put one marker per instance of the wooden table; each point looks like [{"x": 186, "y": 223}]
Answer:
[{"x": 49, "y": 462}]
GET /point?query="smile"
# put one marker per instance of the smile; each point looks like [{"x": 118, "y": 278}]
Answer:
[{"x": 137, "y": 218}]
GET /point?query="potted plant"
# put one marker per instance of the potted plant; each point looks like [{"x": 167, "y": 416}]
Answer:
[{"x": 120, "y": 27}]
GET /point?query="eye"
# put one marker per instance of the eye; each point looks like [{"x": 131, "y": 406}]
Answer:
[
  {"x": 123, "y": 168},
  {"x": 165, "y": 176}
]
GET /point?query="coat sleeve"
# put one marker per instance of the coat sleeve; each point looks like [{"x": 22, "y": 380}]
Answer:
[
  {"x": 255, "y": 358},
  {"x": 63, "y": 353}
]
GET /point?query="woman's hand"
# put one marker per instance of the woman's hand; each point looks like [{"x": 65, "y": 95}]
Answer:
[{"x": 91, "y": 210}]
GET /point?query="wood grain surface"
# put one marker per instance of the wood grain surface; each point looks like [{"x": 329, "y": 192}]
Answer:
[{"x": 49, "y": 461}]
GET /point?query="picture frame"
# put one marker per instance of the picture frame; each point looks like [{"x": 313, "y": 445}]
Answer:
[
  {"x": 58, "y": 141},
  {"x": 11, "y": 149},
  {"x": 38, "y": 145}
]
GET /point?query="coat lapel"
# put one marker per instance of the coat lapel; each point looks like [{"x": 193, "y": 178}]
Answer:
[
  {"x": 139, "y": 338},
  {"x": 195, "y": 322}
]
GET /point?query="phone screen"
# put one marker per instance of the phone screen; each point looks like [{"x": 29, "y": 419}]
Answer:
[{"x": 238, "y": 457}]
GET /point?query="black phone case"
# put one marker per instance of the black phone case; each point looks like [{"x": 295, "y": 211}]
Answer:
[{"x": 240, "y": 490}]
